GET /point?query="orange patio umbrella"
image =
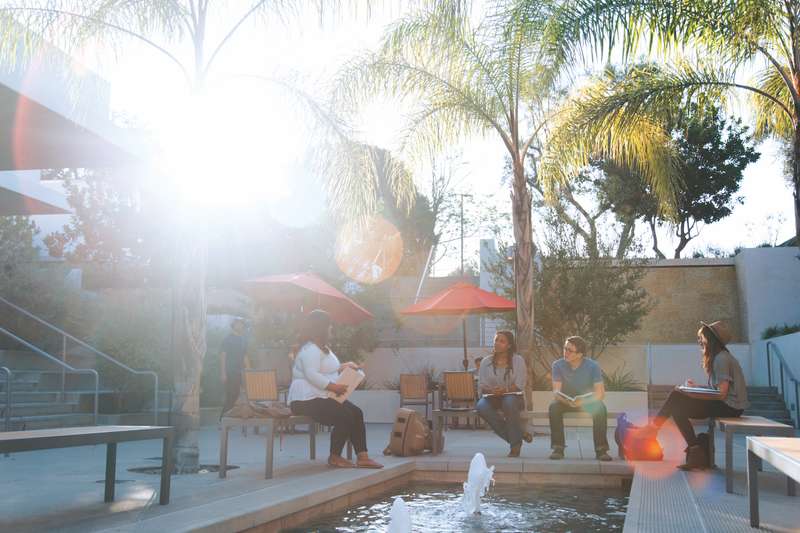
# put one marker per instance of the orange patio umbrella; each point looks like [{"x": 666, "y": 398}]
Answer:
[
  {"x": 306, "y": 292},
  {"x": 461, "y": 299}
]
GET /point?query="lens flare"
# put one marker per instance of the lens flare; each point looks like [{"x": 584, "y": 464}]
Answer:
[{"x": 369, "y": 254}]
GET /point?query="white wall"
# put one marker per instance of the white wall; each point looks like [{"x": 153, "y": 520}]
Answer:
[
  {"x": 789, "y": 346},
  {"x": 769, "y": 288},
  {"x": 670, "y": 364}
]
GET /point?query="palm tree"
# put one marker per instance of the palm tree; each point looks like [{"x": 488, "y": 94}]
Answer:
[
  {"x": 164, "y": 26},
  {"x": 732, "y": 38},
  {"x": 499, "y": 76}
]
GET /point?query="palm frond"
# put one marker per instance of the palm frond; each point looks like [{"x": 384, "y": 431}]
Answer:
[{"x": 771, "y": 118}]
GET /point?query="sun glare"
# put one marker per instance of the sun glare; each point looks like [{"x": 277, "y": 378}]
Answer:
[{"x": 228, "y": 148}]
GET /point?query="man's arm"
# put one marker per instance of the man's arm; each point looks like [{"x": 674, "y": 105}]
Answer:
[{"x": 223, "y": 366}]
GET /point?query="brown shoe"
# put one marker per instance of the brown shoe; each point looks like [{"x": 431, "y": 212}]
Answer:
[
  {"x": 527, "y": 437},
  {"x": 337, "y": 461},
  {"x": 364, "y": 461},
  {"x": 515, "y": 450}
]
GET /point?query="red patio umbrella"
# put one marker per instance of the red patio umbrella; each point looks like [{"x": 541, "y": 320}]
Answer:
[
  {"x": 306, "y": 291},
  {"x": 461, "y": 299}
]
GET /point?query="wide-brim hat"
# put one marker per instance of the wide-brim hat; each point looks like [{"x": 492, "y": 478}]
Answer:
[{"x": 721, "y": 330}]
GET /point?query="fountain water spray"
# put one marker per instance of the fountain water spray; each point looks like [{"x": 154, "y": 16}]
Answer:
[
  {"x": 399, "y": 517},
  {"x": 478, "y": 480}
]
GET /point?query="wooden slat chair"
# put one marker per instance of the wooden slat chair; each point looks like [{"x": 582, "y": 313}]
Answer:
[
  {"x": 414, "y": 390},
  {"x": 262, "y": 386},
  {"x": 459, "y": 388}
]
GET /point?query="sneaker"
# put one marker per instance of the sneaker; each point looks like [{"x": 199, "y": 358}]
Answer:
[
  {"x": 558, "y": 453},
  {"x": 603, "y": 456}
]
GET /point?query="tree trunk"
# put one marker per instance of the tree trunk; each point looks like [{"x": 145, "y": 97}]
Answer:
[
  {"x": 523, "y": 262},
  {"x": 189, "y": 330},
  {"x": 796, "y": 182},
  {"x": 659, "y": 253}
]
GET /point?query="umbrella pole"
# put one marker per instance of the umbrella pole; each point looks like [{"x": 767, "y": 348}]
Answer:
[{"x": 465, "y": 362}]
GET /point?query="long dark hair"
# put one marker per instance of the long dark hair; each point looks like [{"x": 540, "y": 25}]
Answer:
[
  {"x": 315, "y": 329},
  {"x": 512, "y": 349},
  {"x": 711, "y": 349}
]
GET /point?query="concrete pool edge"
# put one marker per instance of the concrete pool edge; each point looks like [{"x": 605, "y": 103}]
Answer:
[{"x": 287, "y": 503}]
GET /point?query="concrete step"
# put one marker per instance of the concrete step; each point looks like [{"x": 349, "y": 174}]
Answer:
[
  {"x": 32, "y": 396},
  {"x": 18, "y": 423},
  {"x": 41, "y": 408}
]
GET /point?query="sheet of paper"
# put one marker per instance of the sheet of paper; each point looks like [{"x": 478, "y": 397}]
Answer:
[
  {"x": 698, "y": 390},
  {"x": 517, "y": 393},
  {"x": 351, "y": 378}
]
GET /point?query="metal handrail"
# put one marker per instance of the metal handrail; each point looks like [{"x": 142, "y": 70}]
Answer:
[
  {"x": 789, "y": 374},
  {"x": 94, "y": 350},
  {"x": 9, "y": 375},
  {"x": 61, "y": 364}
]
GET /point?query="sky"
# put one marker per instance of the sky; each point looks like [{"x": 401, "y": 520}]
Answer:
[{"x": 148, "y": 88}]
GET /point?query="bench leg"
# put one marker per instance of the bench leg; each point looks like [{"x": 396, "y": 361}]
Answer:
[
  {"x": 712, "y": 432},
  {"x": 111, "y": 471},
  {"x": 312, "y": 441},
  {"x": 728, "y": 461},
  {"x": 752, "y": 487},
  {"x": 270, "y": 433},
  {"x": 437, "y": 433},
  {"x": 223, "y": 452},
  {"x": 166, "y": 470}
]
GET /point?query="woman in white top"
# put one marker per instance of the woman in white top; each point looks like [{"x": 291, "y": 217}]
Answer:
[{"x": 314, "y": 374}]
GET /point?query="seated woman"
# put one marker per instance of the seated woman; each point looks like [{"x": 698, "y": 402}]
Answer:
[
  {"x": 724, "y": 374},
  {"x": 502, "y": 373},
  {"x": 315, "y": 372}
]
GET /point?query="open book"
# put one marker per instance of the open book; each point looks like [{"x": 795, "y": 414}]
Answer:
[
  {"x": 515, "y": 393},
  {"x": 348, "y": 377},
  {"x": 573, "y": 398},
  {"x": 698, "y": 390}
]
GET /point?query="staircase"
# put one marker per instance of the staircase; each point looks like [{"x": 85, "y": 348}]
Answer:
[
  {"x": 764, "y": 401},
  {"x": 37, "y": 402}
]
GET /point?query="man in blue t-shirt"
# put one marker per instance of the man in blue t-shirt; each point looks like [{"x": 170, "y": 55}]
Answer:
[
  {"x": 578, "y": 386},
  {"x": 232, "y": 355}
]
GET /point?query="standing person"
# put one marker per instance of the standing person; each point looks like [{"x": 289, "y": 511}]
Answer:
[
  {"x": 315, "y": 372},
  {"x": 500, "y": 374},
  {"x": 232, "y": 354},
  {"x": 575, "y": 375},
  {"x": 724, "y": 374}
]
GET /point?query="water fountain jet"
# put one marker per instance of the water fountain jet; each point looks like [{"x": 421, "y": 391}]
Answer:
[{"x": 479, "y": 478}]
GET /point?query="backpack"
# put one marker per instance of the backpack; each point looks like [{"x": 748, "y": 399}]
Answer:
[
  {"x": 410, "y": 435},
  {"x": 633, "y": 447},
  {"x": 699, "y": 456}
]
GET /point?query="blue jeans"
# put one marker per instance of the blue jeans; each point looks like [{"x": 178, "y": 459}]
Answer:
[{"x": 507, "y": 425}]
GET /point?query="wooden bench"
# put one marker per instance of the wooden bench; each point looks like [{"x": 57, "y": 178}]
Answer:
[
  {"x": 45, "y": 439},
  {"x": 747, "y": 425},
  {"x": 781, "y": 452}
]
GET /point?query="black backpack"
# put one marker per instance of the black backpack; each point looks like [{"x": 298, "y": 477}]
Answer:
[{"x": 699, "y": 456}]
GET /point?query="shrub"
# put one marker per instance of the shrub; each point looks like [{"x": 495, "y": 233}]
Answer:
[
  {"x": 621, "y": 381},
  {"x": 779, "y": 331}
]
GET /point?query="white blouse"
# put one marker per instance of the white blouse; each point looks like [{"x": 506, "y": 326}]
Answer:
[{"x": 313, "y": 370}]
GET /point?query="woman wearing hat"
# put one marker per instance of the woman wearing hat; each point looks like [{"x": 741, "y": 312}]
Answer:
[{"x": 724, "y": 375}]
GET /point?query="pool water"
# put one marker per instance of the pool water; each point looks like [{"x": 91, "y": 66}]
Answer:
[{"x": 504, "y": 508}]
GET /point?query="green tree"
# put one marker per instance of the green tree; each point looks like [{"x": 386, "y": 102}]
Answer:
[
  {"x": 598, "y": 298},
  {"x": 165, "y": 28},
  {"x": 714, "y": 152},
  {"x": 499, "y": 76},
  {"x": 727, "y": 39}
]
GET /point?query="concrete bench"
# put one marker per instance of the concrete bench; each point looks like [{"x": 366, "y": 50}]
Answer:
[
  {"x": 781, "y": 452},
  {"x": 747, "y": 425},
  {"x": 45, "y": 439},
  {"x": 439, "y": 416}
]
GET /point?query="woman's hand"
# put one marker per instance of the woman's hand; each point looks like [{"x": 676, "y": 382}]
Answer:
[
  {"x": 337, "y": 388},
  {"x": 349, "y": 364}
]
